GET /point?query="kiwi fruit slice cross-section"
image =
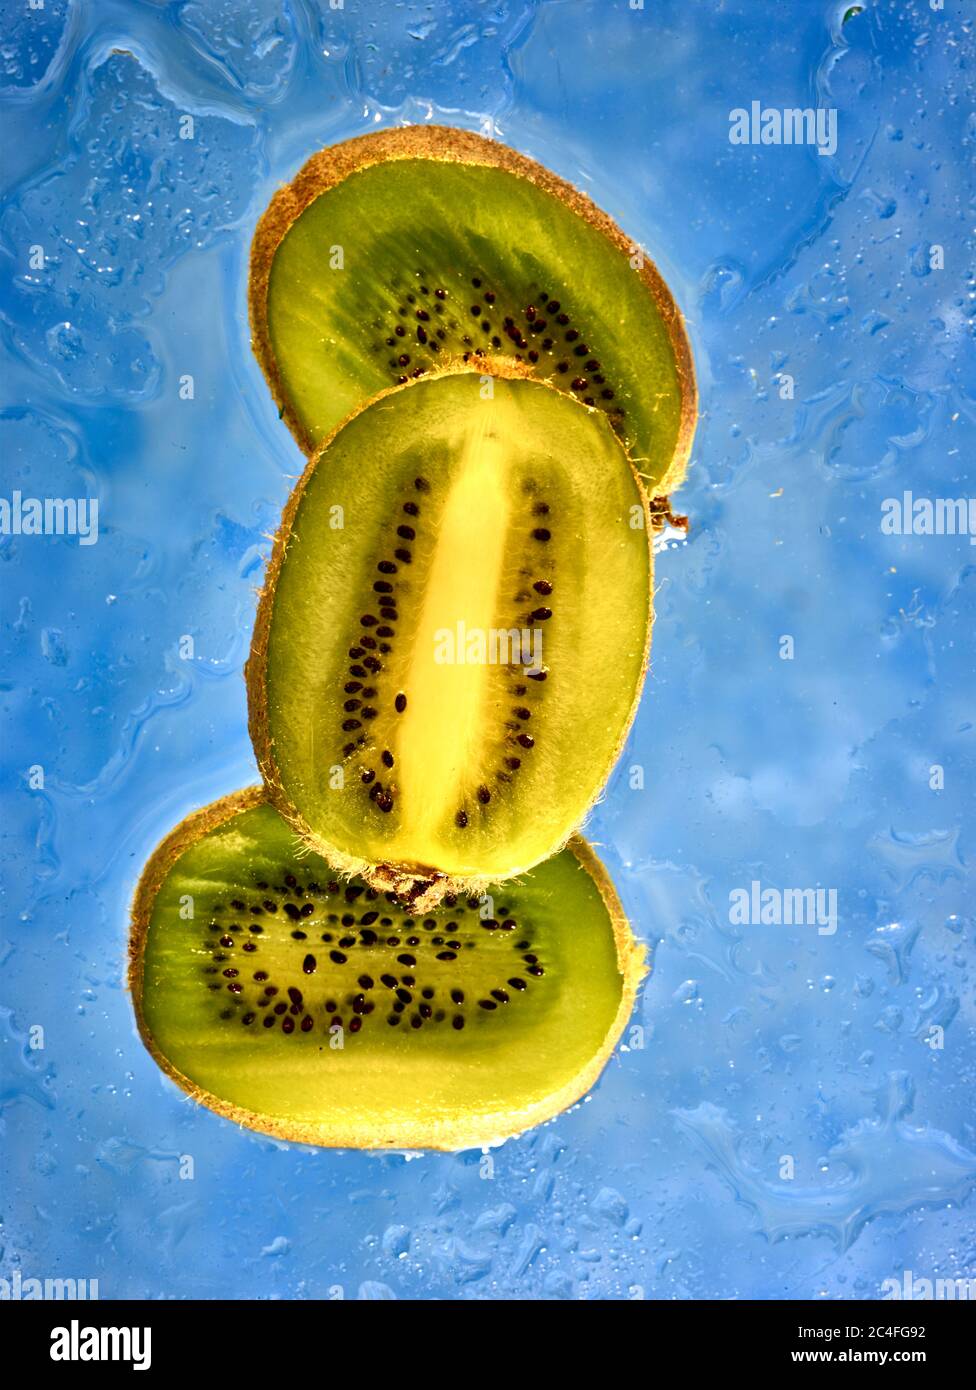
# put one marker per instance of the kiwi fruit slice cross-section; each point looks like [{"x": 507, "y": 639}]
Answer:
[
  {"x": 405, "y": 250},
  {"x": 326, "y": 1013},
  {"x": 453, "y": 633}
]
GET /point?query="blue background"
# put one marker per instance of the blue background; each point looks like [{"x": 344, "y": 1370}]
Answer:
[{"x": 758, "y": 1042}]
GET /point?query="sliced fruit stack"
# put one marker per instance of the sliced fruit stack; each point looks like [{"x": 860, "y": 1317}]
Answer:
[{"x": 399, "y": 940}]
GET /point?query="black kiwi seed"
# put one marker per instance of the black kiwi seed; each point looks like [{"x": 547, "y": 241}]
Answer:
[
  {"x": 461, "y": 819},
  {"x": 386, "y": 758},
  {"x": 337, "y": 957},
  {"x": 541, "y": 615},
  {"x": 484, "y": 795},
  {"x": 487, "y": 1004},
  {"x": 526, "y": 740},
  {"x": 400, "y": 703},
  {"x": 542, "y": 586},
  {"x": 541, "y": 534},
  {"x": 457, "y": 1021},
  {"x": 516, "y": 983}
]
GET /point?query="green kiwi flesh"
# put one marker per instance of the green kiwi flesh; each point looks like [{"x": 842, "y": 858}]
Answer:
[
  {"x": 322, "y": 1011},
  {"x": 401, "y": 251},
  {"x": 453, "y": 632}
]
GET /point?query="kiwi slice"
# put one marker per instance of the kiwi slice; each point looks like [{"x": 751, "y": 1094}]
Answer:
[
  {"x": 325, "y": 1012},
  {"x": 400, "y": 251},
  {"x": 453, "y": 632}
]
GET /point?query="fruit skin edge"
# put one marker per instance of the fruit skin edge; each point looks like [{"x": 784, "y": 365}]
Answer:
[
  {"x": 422, "y": 886},
  {"x": 332, "y": 165},
  {"x": 449, "y": 1137}
]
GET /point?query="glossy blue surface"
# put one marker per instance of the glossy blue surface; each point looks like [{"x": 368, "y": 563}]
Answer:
[{"x": 852, "y": 1054}]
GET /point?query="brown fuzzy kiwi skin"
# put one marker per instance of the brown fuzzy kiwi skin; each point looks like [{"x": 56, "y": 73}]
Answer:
[
  {"x": 329, "y": 167},
  {"x": 448, "y": 1135},
  {"x": 422, "y": 886}
]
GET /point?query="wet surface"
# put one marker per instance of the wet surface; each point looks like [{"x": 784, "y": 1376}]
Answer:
[{"x": 794, "y": 1114}]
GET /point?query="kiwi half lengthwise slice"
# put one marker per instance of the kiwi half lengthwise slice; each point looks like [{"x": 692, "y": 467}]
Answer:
[
  {"x": 323, "y": 1012},
  {"x": 402, "y": 250},
  {"x": 453, "y": 633}
]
